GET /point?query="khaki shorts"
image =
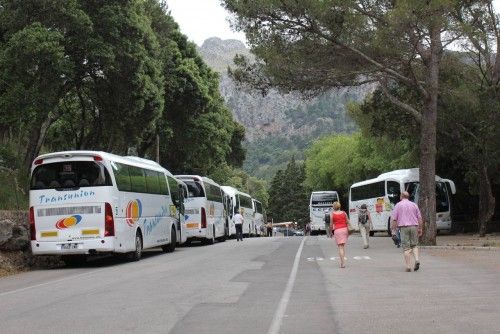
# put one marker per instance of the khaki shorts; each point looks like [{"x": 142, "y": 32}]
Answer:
[{"x": 409, "y": 237}]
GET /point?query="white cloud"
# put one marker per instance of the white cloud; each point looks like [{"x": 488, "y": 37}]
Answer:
[{"x": 201, "y": 19}]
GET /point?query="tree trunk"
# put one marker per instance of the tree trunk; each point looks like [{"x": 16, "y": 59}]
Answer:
[
  {"x": 427, "y": 198},
  {"x": 36, "y": 139},
  {"x": 486, "y": 200}
]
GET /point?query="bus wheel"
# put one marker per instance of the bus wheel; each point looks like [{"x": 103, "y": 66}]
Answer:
[
  {"x": 136, "y": 255},
  {"x": 372, "y": 233},
  {"x": 173, "y": 241},
  {"x": 74, "y": 260}
]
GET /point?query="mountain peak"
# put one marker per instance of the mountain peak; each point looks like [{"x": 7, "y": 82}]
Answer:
[{"x": 219, "y": 53}]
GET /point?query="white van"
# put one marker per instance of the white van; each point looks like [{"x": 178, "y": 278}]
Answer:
[
  {"x": 259, "y": 218},
  {"x": 89, "y": 202},
  {"x": 204, "y": 209}
]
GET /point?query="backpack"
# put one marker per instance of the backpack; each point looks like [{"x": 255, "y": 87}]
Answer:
[{"x": 363, "y": 216}]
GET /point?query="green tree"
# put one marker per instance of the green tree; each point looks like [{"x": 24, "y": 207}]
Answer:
[
  {"x": 288, "y": 199},
  {"x": 355, "y": 42}
]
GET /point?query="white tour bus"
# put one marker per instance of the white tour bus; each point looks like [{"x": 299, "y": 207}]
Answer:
[
  {"x": 382, "y": 193},
  {"x": 320, "y": 203},
  {"x": 87, "y": 202},
  {"x": 259, "y": 219},
  {"x": 239, "y": 200},
  {"x": 204, "y": 209}
]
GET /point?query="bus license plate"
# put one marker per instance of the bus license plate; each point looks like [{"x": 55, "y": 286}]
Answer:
[{"x": 69, "y": 246}]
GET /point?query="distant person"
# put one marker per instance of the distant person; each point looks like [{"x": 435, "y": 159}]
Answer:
[
  {"x": 339, "y": 222},
  {"x": 364, "y": 224},
  {"x": 308, "y": 228},
  {"x": 238, "y": 224},
  {"x": 269, "y": 227},
  {"x": 327, "y": 225},
  {"x": 407, "y": 217}
]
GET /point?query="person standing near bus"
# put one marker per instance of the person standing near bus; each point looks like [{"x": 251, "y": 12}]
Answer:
[
  {"x": 339, "y": 222},
  {"x": 364, "y": 224},
  {"x": 269, "y": 228},
  {"x": 238, "y": 224},
  {"x": 407, "y": 217}
]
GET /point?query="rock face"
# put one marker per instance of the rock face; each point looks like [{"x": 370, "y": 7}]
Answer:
[
  {"x": 14, "y": 236},
  {"x": 285, "y": 124}
]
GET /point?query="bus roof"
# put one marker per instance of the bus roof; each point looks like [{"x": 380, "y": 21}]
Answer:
[
  {"x": 201, "y": 178},
  {"x": 401, "y": 175},
  {"x": 130, "y": 160},
  {"x": 324, "y": 192},
  {"x": 233, "y": 191}
]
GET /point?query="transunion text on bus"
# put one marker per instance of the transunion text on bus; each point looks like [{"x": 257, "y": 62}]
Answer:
[{"x": 61, "y": 198}]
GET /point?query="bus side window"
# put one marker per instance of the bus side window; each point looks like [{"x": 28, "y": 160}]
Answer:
[{"x": 393, "y": 192}]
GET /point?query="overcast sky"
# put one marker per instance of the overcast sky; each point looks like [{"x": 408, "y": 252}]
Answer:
[{"x": 201, "y": 19}]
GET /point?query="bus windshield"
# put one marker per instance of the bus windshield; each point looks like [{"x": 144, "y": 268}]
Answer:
[
  {"x": 195, "y": 189},
  {"x": 70, "y": 174},
  {"x": 442, "y": 201},
  {"x": 324, "y": 199}
]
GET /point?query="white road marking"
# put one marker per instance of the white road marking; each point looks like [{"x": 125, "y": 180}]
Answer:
[
  {"x": 285, "y": 298},
  {"x": 50, "y": 282}
]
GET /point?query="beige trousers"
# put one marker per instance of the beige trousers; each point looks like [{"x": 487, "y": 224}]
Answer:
[{"x": 364, "y": 229}]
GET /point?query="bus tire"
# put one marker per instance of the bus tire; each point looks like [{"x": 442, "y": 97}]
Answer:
[
  {"x": 137, "y": 253},
  {"x": 372, "y": 233},
  {"x": 74, "y": 260},
  {"x": 173, "y": 241}
]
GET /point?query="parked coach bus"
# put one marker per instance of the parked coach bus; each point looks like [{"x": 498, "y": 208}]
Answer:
[
  {"x": 321, "y": 202},
  {"x": 239, "y": 200},
  {"x": 87, "y": 202},
  {"x": 382, "y": 193},
  {"x": 204, "y": 209},
  {"x": 259, "y": 218}
]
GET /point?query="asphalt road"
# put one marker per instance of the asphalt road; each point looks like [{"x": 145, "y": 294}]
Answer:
[{"x": 260, "y": 285}]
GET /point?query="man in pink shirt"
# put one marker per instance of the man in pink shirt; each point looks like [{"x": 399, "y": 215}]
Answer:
[{"x": 406, "y": 216}]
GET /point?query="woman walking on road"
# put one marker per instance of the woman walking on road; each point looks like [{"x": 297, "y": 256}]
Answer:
[{"x": 340, "y": 231}]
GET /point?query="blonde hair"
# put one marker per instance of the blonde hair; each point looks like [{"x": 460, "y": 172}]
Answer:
[
  {"x": 242, "y": 211},
  {"x": 336, "y": 205}
]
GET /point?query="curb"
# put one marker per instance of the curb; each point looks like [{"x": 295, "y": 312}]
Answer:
[{"x": 462, "y": 248}]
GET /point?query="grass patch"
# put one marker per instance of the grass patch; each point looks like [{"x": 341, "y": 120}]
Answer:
[{"x": 12, "y": 195}]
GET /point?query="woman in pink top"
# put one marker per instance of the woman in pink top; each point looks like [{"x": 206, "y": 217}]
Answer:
[{"x": 338, "y": 224}]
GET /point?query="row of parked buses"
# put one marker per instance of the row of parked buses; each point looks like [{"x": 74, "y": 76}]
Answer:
[
  {"x": 381, "y": 195},
  {"x": 86, "y": 202}
]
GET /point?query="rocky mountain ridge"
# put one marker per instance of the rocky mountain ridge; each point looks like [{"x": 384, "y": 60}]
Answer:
[{"x": 278, "y": 117}]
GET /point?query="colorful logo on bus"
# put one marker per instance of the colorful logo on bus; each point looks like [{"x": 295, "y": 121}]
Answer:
[
  {"x": 133, "y": 212},
  {"x": 68, "y": 222}
]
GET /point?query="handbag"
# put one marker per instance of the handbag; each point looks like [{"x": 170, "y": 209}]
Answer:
[{"x": 350, "y": 229}]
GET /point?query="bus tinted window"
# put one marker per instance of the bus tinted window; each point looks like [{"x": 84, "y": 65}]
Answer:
[
  {"x": 194, "y": 188},
  {"x": 213, "y": 192},
  {"x": 163, "y": 184},
  {"x": 366, "y": 191},
  {"x": 137, "y": 179},
  {"x": 122, "y": 177},
  {"x": 70, "y": 174},
  {"x": 258, "y": 207},
  {"x": 245, "y": 201},
  {"x": 320, "y": 199},
  {"x": 152, "y": 182},
  {"x": 174, "y": 192}
]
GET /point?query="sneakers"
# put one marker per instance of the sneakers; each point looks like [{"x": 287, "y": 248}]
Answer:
[{"x": 417, "y": 266}]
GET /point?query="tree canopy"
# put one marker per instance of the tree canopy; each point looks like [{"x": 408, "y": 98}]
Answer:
[{"x": 116, "y": 76}]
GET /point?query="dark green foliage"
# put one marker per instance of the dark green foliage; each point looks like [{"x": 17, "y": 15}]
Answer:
[
  {"x": 113, "y": 76},
  {"x": 288, "y": 199}
]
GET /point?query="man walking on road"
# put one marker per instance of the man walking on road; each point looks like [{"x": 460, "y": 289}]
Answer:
[
  {"x": 238, "y": 224},
  {"x": 406, "y": 215}
]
